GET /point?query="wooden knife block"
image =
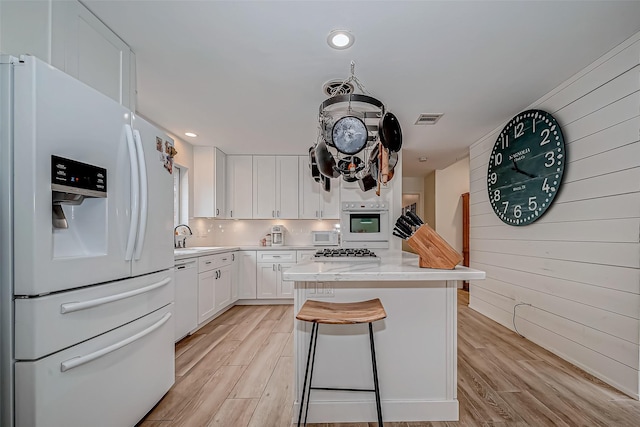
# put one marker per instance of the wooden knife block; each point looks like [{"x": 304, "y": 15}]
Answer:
[{"x": 433, "y": 250}]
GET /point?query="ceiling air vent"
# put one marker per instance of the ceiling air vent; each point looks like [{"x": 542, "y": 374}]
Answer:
[
  {"x": 337, "y": 87},
  {"x": 428, "y": 119}
]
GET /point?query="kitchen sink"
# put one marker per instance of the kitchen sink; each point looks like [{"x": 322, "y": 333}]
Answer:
[{"x": 185, "y": 251}]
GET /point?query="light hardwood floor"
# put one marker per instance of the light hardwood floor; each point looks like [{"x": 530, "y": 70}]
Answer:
[{"x": 237, "y": 371}]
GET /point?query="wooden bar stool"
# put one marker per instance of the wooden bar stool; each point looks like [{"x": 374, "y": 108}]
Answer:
[{"x": 335, "y": 313}]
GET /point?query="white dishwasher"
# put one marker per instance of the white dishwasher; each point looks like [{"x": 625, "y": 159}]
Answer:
[{"x": 186, "y": 297}]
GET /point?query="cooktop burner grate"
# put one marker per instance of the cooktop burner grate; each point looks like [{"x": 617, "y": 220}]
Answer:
[{"x": 344, "y": 254}]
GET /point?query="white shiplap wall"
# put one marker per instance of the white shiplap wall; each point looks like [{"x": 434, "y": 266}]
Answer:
[{"x": 579, "y": 265}]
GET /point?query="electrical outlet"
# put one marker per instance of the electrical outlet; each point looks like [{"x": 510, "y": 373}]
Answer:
[{"x": 328, "y": 289}]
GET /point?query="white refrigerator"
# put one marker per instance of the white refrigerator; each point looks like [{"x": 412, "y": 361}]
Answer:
[{"x": 86, "y": 278}]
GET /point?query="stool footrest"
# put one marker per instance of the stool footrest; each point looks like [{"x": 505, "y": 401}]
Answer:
[{"x": 343, "y": 389}]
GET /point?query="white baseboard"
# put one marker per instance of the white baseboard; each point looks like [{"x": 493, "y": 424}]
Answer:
[
  {"x": 392, "y": 411},
  {"x": 264, "y": 301}
]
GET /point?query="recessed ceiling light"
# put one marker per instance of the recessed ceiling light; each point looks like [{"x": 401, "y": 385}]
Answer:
[
  {"x": 191, "y": 134},
  {"x": 422, "y": 159},
  {"x": 340, "y": 39}
]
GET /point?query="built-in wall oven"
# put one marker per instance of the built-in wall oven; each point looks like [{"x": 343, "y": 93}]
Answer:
[{"x": 364, "y": 224}]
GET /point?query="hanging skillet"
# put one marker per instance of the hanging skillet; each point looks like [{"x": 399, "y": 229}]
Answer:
[
  {"x": 389, "y": 132},
  {"x": 326, "y": 162},
  {"x": 313, "y": 165}
]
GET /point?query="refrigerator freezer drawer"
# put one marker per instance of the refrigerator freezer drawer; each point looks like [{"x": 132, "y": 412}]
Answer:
[
  {"x": 110, "y": 380},
  {"x": 50, "y": 323}
]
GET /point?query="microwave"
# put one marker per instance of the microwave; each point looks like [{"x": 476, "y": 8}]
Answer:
[
  {"x": 364, "y": 225},
  {"x": 324, "y": 238}
]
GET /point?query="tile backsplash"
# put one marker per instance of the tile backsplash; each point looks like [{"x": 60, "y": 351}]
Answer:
[{"x": 226, "y": 232}]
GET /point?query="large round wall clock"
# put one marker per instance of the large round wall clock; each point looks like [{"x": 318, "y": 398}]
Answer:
[{"x": 526, "y": 167}]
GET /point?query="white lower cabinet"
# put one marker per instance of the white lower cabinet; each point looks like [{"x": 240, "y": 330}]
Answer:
[
  {"x": 206, "y": 295},
  {"x": 214, "y": 285},
  {"x": 271, "y": 264},
  {"x": 267, "y": 281},
  {"x": 235, "y": 291},
  {"x": 270, "y": 283},
  {"x": 285, "y": 287},
  {"x": 246, "y": 274}
]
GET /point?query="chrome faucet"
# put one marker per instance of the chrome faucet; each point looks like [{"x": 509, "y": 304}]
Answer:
[{"x": 176, "y": 242}]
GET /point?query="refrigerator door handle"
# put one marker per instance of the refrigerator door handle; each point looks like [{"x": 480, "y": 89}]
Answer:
[
  {"x": 81, "y": 360},
  {"x": 144, "y": 194},
  {"x": 70, "y": 307},
  {"x": 135, "y": 194}
]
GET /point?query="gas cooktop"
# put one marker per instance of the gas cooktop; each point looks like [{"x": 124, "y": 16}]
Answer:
[{"x": 350, "y": 255}]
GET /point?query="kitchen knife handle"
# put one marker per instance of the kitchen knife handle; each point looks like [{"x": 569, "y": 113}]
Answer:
[
  {"x": 404, "y": 228},
  {"x": 402, "y": 220},
  {"x": 397, "y": 235},
  {"x": 397, "y": 230},
  {"x": 415, "y": 217}
]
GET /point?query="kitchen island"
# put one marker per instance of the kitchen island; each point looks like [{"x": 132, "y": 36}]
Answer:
[{"x": 416, "y": 345}]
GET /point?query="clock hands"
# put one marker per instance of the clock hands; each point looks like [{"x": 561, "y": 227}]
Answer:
[{"x": 517, "y": 169}]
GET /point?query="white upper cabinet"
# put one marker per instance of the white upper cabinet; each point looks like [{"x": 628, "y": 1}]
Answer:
[
  {"x": 287, "y": 178},
  {"x": 313, "y": 201},
  {"x": 239, "y": 187},
  {"x": 275, "y": 187},
  {"x": 69, "y": 37},
  {"x": 209, "y": 164}
]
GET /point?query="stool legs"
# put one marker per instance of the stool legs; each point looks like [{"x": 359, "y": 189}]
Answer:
[
  {"x": 310, "y": 357},
  {"x": 375, "y": 376}
]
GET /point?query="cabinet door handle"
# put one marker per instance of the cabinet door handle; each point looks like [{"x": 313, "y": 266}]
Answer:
[
  {"x": 217, "y": 211},
  {"x": 233, "y": 257},
  {"x": 278, "y": 214},
  {"x": 317, "y": 214},
  {"x": 274, "y": 267},
  {"x": 278, "y": 267},
  {"x": 273, "y": 214},
  {"x": 208, "y": 262},
  {"x": 231, "y": 213},
  {"x": 320, "y": 214},
  {"x": 219, "y": 274}
]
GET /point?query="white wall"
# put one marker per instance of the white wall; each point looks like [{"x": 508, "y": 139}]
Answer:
[
  {"x": 450, "y": 184},
  {"x": 579, "y": 265},
  {"x": 25, "y": 27},
  {"x": 248, "y": 232},
  {"x": 184, "y": 159}
]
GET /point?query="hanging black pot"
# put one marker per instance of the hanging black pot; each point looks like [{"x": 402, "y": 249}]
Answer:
[
  {"x": 313, "y": 165},
  {"x": 326, "y": 162},
  {"x": 367, "y": 183},
  {"x": 389, "y": 132},
  {"x": 326, "y": 183}
]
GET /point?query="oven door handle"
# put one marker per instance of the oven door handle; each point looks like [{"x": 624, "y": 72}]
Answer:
[{"x": 82, "y": 360}]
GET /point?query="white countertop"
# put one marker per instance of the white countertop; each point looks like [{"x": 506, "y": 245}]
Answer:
[
  {"x": 197, "y": 251},
  {"x": 391, "y": 266}
]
